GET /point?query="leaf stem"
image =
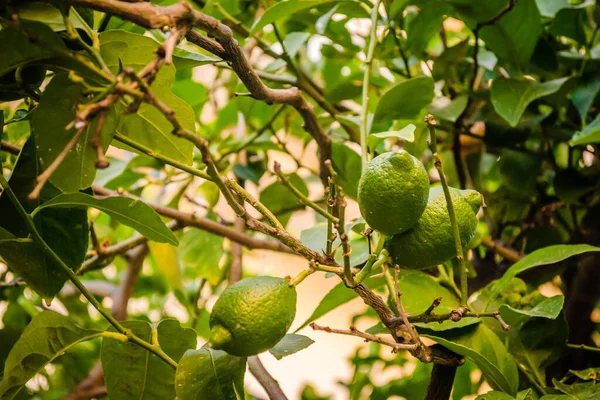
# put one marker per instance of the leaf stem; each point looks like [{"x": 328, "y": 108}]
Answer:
[
  {"x": 460, "y": 253},
  {"x": 73, "y": 278},
  {"x": 364, "y": 116},
  {"x": 583, "y": 347}
]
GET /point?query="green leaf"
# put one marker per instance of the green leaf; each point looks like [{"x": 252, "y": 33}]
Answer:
[
  {"x": 56, "y": 110},
  {"x": 549, "y": 8},
  {"x": 407, "y": 133},
  {"x": 549, "y": 308},
  {"x": 494, "y": 395},
  {"x": 346, "y": 162},
  {"x": 167, "y": 261},
  {"x": 131, "y": 372},
  {"x": 22, "y": 51},
  {"x": 583, "y": 95},
  {"x": 590, "y": 134},
  {"x": 426, "y": 25},
  {"x": 20, "y": 115},
  {"x": 405, "y": 100},
  {"x": 47, "y": 337},
  {"x": 279, "y": 199},
  {"x": 419, "y": 290},
  {"x": 513, "y": 38},
  {"x": 64, "y": 230},
  {"x": 133, "y": 213},
  {"x": 479, "y": 344},
  {"x": 447, "y": 109},
  {"x": 285, "y": 9},
  {"x": 47, "y": 14},
  {"x": 290, "y": 344},
  {"x": 148, "y": 126},
  {"x": 545, "y": 256},
  {"x": 510, "y": 97},
  {"x": 208, "y": 374},
  {"x": 200, "y": 253}
]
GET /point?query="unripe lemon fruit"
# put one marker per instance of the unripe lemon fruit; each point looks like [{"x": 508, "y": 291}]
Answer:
[
  {"x": 252, "y": 315},
  {"x": 431, "y": 242},
  {"x": 392, "y": 192}
]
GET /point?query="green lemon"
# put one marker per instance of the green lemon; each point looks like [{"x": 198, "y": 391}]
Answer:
[
  {"x": 430, "y": 242},
  {"x": 252, "y": 315},
  {"x": 392, "y": 192}
]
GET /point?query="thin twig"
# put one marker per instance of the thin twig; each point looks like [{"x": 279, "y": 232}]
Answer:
[
  {"x": 583, "y": 347},
  {"x": 367, "y": 336}
]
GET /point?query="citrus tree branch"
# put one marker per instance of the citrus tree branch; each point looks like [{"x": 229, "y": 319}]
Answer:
[{"x": 265, "y": 379}]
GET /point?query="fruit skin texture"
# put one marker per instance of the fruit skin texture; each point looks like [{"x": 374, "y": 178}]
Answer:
[
  {"x": 430, "y": 242},
  {"x": 252, "y": 315},
  {"x": 392, "y": 192}
]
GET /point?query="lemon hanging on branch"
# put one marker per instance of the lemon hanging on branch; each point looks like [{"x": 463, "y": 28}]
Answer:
[
  {"x": 392, "y": 192},
  {"x": 431, "y": 242},
  {"x": 252, "y": 315}
]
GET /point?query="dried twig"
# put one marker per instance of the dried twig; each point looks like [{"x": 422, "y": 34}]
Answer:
[
  {"x": 271, "y": 386},
  {"x": 368, "y": 337}
]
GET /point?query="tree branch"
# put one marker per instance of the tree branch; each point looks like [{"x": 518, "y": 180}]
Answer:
[{"x": 271, "y": 386}]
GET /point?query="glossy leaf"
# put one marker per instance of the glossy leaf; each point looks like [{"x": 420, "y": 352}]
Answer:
[
  {"x": 131, "y": 372},
  {"x": 419, "y": 290},
  {"x": 64, "y": 230},
  {"x": 167, "y": 261},
  {"x": 290, "y": 344},
  {"x": 584, "y": 94},
  {"x": 545, "y": 256},
  {"x": 148, "y": 126},
  {"x": 510, "y": 97},
  {"x": 549, "y": 308},
  {"x": 590, "y": 134},
  {"x": 479, "y": 344},
  {"x": 209, "y": 374},
  {"x": 130, "y": 212},
  {"x": 284, "y": 10},
  {"x": 405, "y": 100},
  {"x": 449, "y": 110},
  {"x": 549, "y": 8},
  {"x": 56, "y": 110},
  {"x": 407, "y": 133},
  {"x": 47, "y": 337}
]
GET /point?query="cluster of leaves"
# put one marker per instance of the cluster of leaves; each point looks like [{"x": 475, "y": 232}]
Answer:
[{"x": 519, "y": 121}]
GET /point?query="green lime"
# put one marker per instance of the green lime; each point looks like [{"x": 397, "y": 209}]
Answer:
[
  {"x": 252, "y": 315},
  {"x": 430, "y": 242},
  {"x": 392, "y": 192}
]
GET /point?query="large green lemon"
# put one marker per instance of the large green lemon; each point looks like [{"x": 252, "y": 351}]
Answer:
[
  {"x": 252, "y": 315},
  {"x": 392, "y": 192},
  {"x": 431, "y": 242}
]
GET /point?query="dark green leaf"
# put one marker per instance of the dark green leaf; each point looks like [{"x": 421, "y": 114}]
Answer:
[
  {"x": 133, "y": 213},
  {"x": 64, "y": 230},
  {"x": 494, "y": 395},
  {"x": 149, "y": 126},
  {"x": 131, "y": 372},
  {"x": 545, "y": 256},
  {"x": 22, "y": 51},
  {"x": 479, "y": 344},
  {"x": 405, "y": 100},
  {"x": 583, "y": 96},
  {"x": 426, "y": 25},
  {"x": 56, "y": 110},
  {"x": 47, "y": 337},
  {"x": 20, "y": 115},
  {"x": 208, "y": 374},
  {"x": 511, "y": 97},
  {"x": 290, "y": 344},
  {"x": 513, "y": 38}
]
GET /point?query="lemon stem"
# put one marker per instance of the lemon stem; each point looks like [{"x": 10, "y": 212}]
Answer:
[
  {"x": 373, "y": 262},
  {"x": 460, "y": 254},
  {"x": 301, "y": 276},
  {"x": 364, "y": 117}
]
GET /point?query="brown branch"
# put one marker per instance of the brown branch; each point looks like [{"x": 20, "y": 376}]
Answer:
[
  {"x": 271, "y": 386},
  {"x": 506, "y": 252},
  {"x": 9, "y": 148},
  {"x": 367, "y": 336},
  {"x": 102, "y": 162}
]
